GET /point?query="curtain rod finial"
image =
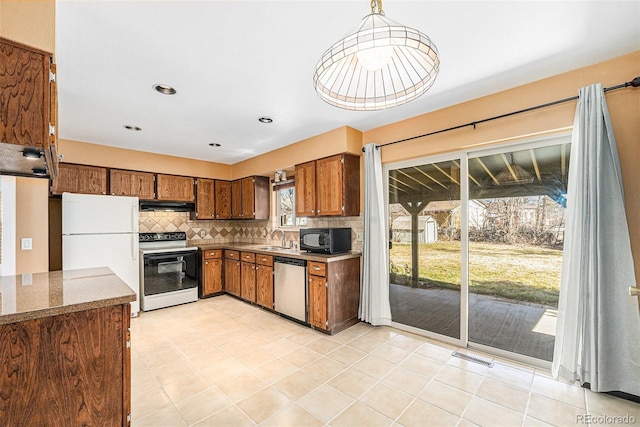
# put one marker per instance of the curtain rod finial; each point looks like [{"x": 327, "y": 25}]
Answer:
[{"x": 635, "y": 82}]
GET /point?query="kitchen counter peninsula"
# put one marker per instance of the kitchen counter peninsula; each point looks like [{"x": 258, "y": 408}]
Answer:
[{"x": 65, "y": 349}]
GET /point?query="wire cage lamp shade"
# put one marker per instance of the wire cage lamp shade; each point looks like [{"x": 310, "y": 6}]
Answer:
[{"x": 378, "y": 65}]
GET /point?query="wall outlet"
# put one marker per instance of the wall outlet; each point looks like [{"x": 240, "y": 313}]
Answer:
[
  {"x": 26, "y": 243},
  {"x": 203, "y": 233},
  {"x": 27, "y": 279}
]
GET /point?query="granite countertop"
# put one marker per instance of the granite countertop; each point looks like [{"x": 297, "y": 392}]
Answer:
[
  {"x": 38, "y": 295},
  {"x": 276, "y": 251}
]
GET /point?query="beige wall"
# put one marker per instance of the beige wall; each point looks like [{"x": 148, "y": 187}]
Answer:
[
  {"x": 624, "y": 107},
  {"x": 344, "y": 139},
  {"x": 101, "y": 155},
  {"x": 31, "y": 23}
]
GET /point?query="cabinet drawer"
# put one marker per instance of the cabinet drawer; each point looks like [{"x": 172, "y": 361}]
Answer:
[
  {"x": 264, "y": 260},
  {"x": 232, "y": 254},
  {"x": 213, "y": 253},
  {"x": 317, "y": 268},
  {"x": 248, "y": 256}
]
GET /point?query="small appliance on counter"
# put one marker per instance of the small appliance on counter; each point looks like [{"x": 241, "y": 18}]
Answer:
[{"x": 325, "y": 240}]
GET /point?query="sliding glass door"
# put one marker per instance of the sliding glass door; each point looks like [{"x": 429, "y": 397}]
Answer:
[
  {"x": 476, "y": 245},
  {"x": 425, "y": 255}
]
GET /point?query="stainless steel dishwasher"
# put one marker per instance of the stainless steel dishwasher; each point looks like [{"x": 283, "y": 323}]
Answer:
[{"x": 290, "y": 287}]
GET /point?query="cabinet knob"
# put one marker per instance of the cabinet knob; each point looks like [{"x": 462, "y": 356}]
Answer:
[
  {"x": 206, "y": 262},
  {"x": 316, "y": 268}
]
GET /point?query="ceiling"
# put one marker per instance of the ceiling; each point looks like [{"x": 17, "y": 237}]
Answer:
[{"x": 232, "y": 62}]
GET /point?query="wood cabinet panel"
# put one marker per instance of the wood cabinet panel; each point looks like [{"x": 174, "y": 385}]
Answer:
[
  {"x": 318, "y": 302},
  {"x": 80, "y": 179},
  {"x": 212, "y": 277},
  {"x": 264, "y": 285},
  {"x": 306, "y": 189},
  {"x": 231, "y": 254},
  {"x": 205, "y": 199},
  {"x": 72, "y": 369},
  {"x": 232, "y": 276},
  {"x": 132, "y": 183},
  {"x": 329, "y": 186},
  {"x": 262, "y": 259},
  {"x": 236, "y": 199},
  {"x": 24, "y": 94},
  {"x": 248, "y": 257},
  {"x": 317, "y": 268},
  {"x": 174, "y": 188},
  {"x": 248, "y": 281},
  {"x": 248, "y": 198},
  {"x": 222, "y": 199}
]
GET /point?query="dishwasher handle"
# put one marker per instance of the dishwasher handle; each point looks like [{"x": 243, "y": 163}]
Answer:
[{"x": 290, "y": 261}]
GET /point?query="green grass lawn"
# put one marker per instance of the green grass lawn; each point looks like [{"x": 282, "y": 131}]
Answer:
[{"x": 523, "y": 273}]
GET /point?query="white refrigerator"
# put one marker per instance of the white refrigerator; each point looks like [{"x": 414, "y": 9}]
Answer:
[{"x": 102, "y": 231}]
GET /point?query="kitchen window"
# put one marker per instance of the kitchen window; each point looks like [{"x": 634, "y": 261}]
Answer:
[{"x": 286, "y": 208}]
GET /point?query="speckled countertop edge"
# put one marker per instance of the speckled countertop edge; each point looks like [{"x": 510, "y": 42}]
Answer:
[{"x": 255, "y": 247}]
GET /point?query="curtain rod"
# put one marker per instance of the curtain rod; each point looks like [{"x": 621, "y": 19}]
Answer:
[{"x": 634, "y": 83}]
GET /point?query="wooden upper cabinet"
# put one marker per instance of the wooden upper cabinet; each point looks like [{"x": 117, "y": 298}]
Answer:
[
  {"x": 250, "y": 198},
  {"x": 80, "y": 179},
  {"x": 205, "y": 199},
  {"x": 329, "y": 186},
  {"x": 236, "y": 199},
  {"x": 175, "y": 188},
  {"x": 306, "y": 189},
  {"x": 132, "y": 183},
  {"x": 222, "y": 199},
  {"x": 24, "y": 95}
]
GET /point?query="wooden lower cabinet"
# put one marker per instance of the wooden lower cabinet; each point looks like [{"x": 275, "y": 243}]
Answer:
[
  {"x": 334, "y": 294},
  {"x": 232, "y": 276},
  {"x": 211, "y": 283},
  {"x": 264, "y": 280},
  {"x": 67, "y": 370},
  {"x": 248, "y": 281}
]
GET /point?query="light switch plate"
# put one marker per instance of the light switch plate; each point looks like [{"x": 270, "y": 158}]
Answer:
[{"x": 26, "y": 243}]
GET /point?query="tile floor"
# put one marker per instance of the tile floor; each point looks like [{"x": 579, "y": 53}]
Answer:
[{"x": 222, "y": 362}]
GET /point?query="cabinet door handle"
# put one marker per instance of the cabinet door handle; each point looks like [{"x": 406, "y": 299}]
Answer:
[
  {"x": 316, "y": 268},
  {"x": 206, "y": 263}
]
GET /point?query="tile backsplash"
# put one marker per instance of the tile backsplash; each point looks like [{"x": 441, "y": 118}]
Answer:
[{"x": 250, "y": 231}]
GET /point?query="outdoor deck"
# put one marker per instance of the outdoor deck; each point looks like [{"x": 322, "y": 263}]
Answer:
[{"x": 509, "y": 325}]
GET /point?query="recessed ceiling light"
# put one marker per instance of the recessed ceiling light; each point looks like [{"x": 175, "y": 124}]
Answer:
[
  {"x": 214, "y": 144},
  {"x": 265, "y": 119},
  {"x": 132, "y": 128},
  {"x": 164, "y": 89}
]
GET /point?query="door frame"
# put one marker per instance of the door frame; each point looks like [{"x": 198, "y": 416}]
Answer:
[{"x": 463, "y": 157}]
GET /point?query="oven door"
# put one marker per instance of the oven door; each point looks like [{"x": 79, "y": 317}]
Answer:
[{"x": 169, "y": 271}]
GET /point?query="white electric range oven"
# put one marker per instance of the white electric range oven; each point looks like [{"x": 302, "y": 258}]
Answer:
[{"x": 168, "y": 270}]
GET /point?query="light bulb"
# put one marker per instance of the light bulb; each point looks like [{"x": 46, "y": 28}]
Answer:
[{"x": 375, "y": 58}]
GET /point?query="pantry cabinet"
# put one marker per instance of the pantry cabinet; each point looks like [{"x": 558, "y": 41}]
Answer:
[
  {"x": 205, "y": 199},
  {"x": 250, "y": 198},
  {"x": 334, "y": 294},
  {"x": 232, "y": 272},
  {"x": 73, "y": 178},
  {"x": 174, "y": 188},
  {"x": 132, "y": 183},
  {"x": 264, "y": 280},
  {"x": 26, "y": 95},
  {"x": 329, "y": 186}
]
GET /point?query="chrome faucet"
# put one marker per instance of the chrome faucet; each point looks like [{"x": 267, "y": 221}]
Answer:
[{"x": 284, "y": 240}]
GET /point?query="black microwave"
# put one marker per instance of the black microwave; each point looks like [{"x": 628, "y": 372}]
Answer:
[{"x": 325, "y": 240}]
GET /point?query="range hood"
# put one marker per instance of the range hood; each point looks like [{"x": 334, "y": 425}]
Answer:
[
  {"x": 20, "y": 160},
  {"x": 151, "y": 206}
]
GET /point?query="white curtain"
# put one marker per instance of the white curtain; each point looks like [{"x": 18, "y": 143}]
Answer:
[
  {"x": 598, "y": 325},
  {"x": 374, "y": 288}
]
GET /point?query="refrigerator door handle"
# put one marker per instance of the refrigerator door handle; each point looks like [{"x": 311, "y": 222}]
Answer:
[
  {"x": 134, "y": 252},
  {"x": 134, "y": 217}
]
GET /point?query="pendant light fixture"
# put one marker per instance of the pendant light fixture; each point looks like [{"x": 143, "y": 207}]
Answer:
[{"x": 378, "y": 65}]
